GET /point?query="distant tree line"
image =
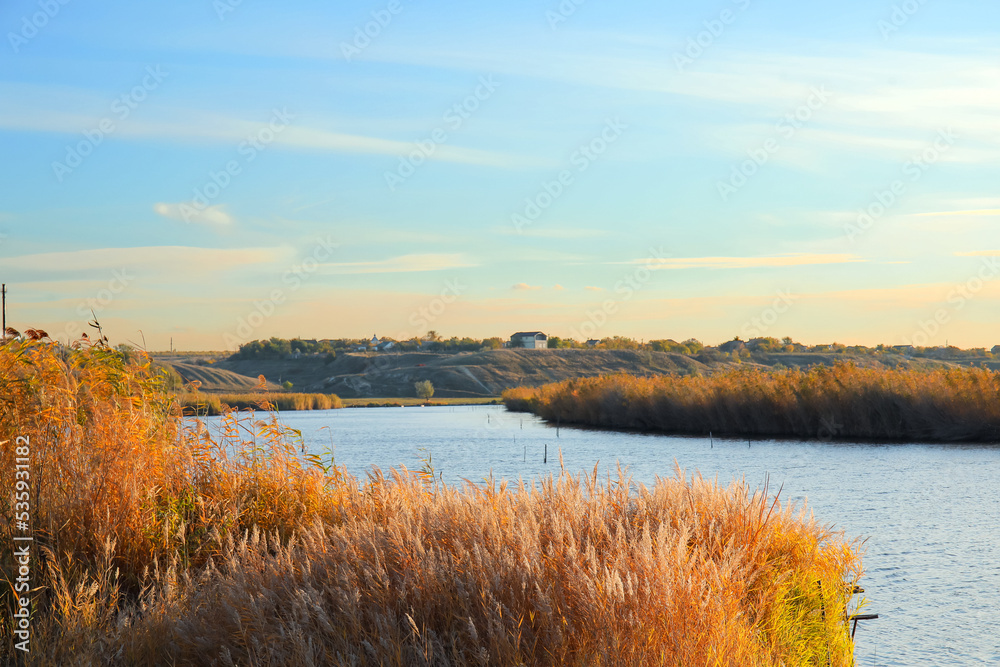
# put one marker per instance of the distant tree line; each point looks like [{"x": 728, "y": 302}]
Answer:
[
  {"x": 735, "y": 350},
  {"x": 281, "y": 348}
]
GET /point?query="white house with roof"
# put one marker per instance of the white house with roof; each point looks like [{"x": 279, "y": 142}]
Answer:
[{"x": 532, "y": 340}]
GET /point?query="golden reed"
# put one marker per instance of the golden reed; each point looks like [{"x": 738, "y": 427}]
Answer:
[{"x": 162, "y": 543}]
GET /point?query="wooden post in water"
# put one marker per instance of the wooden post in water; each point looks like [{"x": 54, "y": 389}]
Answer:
[
  {"x": 545, "y": 456},
  {"x": 711, "y": 442}
]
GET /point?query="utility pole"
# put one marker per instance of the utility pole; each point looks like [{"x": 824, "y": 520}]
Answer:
[{"x": 3, "y": 290}]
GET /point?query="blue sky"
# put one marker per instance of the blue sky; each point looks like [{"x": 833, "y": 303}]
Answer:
[{"x": 215, "y": 172}]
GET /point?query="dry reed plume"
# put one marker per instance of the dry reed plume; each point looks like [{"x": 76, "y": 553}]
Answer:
[
  {"x": 207, "y": 405},
  {"x": 844, "y": 401},
  {"x": 166, "y": 545}
]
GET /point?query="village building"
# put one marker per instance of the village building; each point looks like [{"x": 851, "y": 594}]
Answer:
[{"x": 532, "y": 340}]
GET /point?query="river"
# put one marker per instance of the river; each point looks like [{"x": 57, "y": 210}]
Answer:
[{"x": 929, "y": 514}]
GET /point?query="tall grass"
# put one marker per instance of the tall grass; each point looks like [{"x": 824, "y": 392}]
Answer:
[
  {"x": 843, "y": 401},
  {"x": 158, "y": 544},
  {"x": 205, "y": 405}
]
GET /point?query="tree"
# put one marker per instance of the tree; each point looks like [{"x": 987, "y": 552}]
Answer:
[
  {"x": 287, "y": 384},
  {"x": 424, "y": 389}
]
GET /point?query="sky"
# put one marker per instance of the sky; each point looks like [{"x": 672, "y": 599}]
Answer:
[{"x": 201, "y": 174}]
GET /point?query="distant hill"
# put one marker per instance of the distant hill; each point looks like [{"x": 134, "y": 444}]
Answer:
[
  {"x": 212, "y": 377},
  {"x": 484, "y": 373}
]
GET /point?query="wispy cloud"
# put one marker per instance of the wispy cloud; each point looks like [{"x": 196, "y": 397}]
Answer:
[
  {"x": 174, "y": 258},
  {"x": 981, "y": 212},
  {"x": 190, "y": 213},
  {"x": 401, "y": 264},
  {"x": 775, "y": 261},
  {"x": 553, "y": 233},
  {"x": 42, "y": 110},
  {"x": 525, "y": 287}
]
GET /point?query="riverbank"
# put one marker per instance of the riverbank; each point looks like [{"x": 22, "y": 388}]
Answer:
[
  {"x": 150, "y": 526},
  {"x": 842, "y": 402},
  {"x": 412, "y": 402},
  {"x": 209, "y": 405},
  {"x": 202, "y": 404}
]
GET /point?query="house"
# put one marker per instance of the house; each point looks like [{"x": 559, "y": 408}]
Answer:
[
  {"x": 593, "y": 342},
  {"x": 532, "y": 340},
  {"x": 386, "y": 345},
  {"x": 374, "y": 341}
]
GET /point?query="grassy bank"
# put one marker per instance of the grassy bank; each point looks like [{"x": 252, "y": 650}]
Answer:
[
  {"x": 409, "y": 402},
  {"x": 839, "y": 402},
  {"x": 155, "y": 544},
  {"x": 206, "y": 405}
]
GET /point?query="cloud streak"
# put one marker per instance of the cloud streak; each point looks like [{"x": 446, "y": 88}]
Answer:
[
  {"x": 174, "y": 258},
  {"x": 978, "y": 212},
  {"x": 402, "y": 264},
  {"x": 196, "y": 126},
  {"x": 776, "y": 261},
  {"x": 189, "y": 212}
]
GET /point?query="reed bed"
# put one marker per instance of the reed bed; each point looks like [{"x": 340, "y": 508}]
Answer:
[
  {"x": 210, "y": 405},
  {"x": 843, "y": 401},
  {"x": 162, "y": 544}
]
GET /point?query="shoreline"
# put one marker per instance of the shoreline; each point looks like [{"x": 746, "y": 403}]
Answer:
[{"x": 209, "y": 404}]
